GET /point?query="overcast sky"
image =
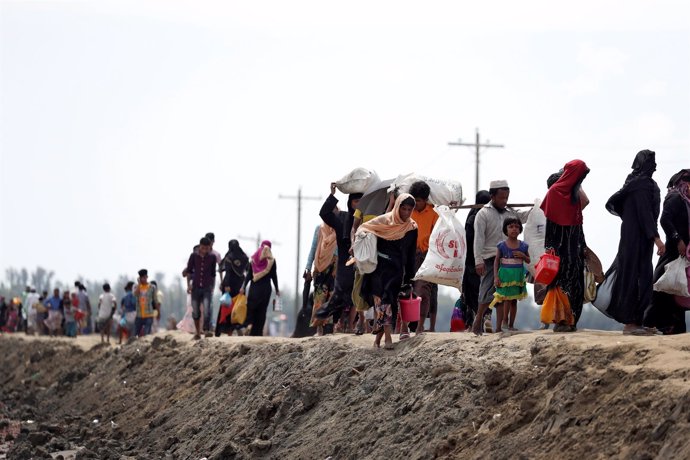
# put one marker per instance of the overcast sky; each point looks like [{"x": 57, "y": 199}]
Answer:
[{"x": 130, "y": 129}]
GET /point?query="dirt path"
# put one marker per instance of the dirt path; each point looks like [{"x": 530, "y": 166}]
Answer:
[{"x": 590, "y": 394}]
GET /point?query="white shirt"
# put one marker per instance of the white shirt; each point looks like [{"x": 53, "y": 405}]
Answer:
[
  {"x": 105, "y": 305},
  {"x": 488, "y": 230}
]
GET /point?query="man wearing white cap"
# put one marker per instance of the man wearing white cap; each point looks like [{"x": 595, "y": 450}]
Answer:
[{"x": 488, "y": 232}]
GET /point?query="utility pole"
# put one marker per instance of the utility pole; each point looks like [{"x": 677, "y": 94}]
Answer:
[
  {"x": 257, "y": 239},
  {"x": 299, "y": 199},
  {"x": 477, "y": 145}
]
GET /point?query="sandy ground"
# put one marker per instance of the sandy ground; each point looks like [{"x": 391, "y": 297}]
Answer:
[{"x": 590, "y": 394}]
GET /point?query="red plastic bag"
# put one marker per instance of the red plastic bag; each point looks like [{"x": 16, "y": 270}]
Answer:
[
  {"x": 547, "y": 267},
  {"x": 457, "y": 321}
]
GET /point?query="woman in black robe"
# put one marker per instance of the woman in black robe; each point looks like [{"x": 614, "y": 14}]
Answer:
[
  {"x": 396, "y": 245},
  {"x": 261, "y": 272},
  {"x": 470, "y": 279},
  {"x": 341, "y": 221},
  {"x": 637, "y": 204},
  {"x": 233, "y": 268},
  {"x": 665, "y": 314}
]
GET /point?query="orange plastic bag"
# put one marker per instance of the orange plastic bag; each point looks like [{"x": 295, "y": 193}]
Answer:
[
  {"x": 239, "y": 309},
  {"x": 556, "y": 308}
]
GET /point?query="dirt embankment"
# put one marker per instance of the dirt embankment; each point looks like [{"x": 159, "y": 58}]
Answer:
[{"x": 530, "y": 395}]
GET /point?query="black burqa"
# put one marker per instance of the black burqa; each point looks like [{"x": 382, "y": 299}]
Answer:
[
  {"x": 470, "y": 279},
  {"x": 233, "y": 266},
  {"x": 664, "y": 313},
  {"x": 637, "y": 204},
  {"x": 341, "y": 222}
]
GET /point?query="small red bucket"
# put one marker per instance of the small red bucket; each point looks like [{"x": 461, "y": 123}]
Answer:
[
  {"x": 547, "y": 267},
  {"x": 409, "y": 308}
]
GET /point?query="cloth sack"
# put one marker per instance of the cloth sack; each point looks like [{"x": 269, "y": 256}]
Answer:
[
  {"x": 364, "y": 252},
  {"x": 674, "y": 280},
  {"x": 358, "y": 180},
  {"x": 442, "y": 192},
  {"x": 239, "y": 310},
  {"x": 556, "y": 308},
  {"x": 535, "y": 234},
  {"x": 445, "y": 260}
]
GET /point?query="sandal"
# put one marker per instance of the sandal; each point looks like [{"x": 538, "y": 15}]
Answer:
[
  {"x": 359, "y": 330},
  {"x": 404, "y": 336},
  {"x": 639, "y": 331}
]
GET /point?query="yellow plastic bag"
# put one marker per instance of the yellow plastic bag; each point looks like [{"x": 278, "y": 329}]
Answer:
[
  {"x": 239, "y": 309},
  {"x": 556, "y": 308}
]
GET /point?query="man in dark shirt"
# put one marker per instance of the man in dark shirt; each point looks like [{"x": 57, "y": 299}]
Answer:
[{"x": 201, "y": 277}]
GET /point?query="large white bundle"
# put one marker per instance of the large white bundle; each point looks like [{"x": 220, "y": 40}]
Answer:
[
  {"x": 443, "y": 192},
  {"x": 674, "y": 280},
  {"x": 534, "y": 234},
  {"x": 358, "y": 180},
  {"x": 445, "y": 261},
  {"x": 364, "y": 252}
]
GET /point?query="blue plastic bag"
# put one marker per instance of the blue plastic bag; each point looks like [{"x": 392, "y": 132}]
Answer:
[{"x": 225, "y": 299}]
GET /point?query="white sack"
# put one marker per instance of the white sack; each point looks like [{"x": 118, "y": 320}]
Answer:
[
  {"x": 534, "y": 234},
  {"x": 445, "y": 261},
  {"x": 443, "y": 192},
  {"x": 364, "y": 252},
  {"x": 674, "y": 280},
  {"x": 358, "y": 180}
]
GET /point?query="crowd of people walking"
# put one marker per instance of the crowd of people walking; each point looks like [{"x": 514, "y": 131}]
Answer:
[{"x": 340, "y": 297}]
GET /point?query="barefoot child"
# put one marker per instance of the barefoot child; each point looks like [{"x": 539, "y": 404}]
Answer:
[
  {"x": 509, "y": 273},
  {"x": 107, "y": 303}
]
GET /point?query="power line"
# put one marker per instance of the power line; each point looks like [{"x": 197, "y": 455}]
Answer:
[
  {"x": 299, "y": 199},
  {"x": 477, "y": 145}
]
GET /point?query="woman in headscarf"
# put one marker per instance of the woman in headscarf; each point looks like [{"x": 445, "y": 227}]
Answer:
[
  {"x": 261, "y": 271},
  {"x": 232, "y": 270},
  {"x": 323, "y": 257},
  {"x": 341, "y": 223},
  {"x": 665, "y": 314},
  {"x": 396, "y": 244},
  {"x": 563, "y": 206},
  {"x": 637, "y": 204}
]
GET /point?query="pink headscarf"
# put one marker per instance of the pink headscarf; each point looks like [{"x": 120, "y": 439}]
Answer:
[{"x": 262, "y": 261}]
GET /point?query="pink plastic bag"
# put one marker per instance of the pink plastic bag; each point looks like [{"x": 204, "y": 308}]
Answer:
[{"x": 187, "y": 323}]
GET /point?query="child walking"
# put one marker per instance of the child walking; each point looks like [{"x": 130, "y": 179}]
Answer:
[{"x": 509, "y": 273}]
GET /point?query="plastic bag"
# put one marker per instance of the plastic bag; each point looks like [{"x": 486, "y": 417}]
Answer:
[
  {"x": 534, "y": 234},
  {"x": 674, "y": 280},
  {"x": 605, "y": 292},
  {"x": 445, "y": 260},
  {"x": 457, "y": 320},
  {"x": 443, "y": 192},
  {"x": 369, "y": 314},
  {"x": 239, "y": 310},
  {"x": 364, "y": 252},
  {"x": 186, "y": 324},
  {"x": 357, "y": 181},
  {"x": 225, "y": 299},
  {"x": 556, "y": 308}
]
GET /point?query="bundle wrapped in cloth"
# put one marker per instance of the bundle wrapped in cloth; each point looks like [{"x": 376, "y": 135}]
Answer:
[
  {"x": 359, "y": 180},
  {"x": 443, "y": 192}
]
